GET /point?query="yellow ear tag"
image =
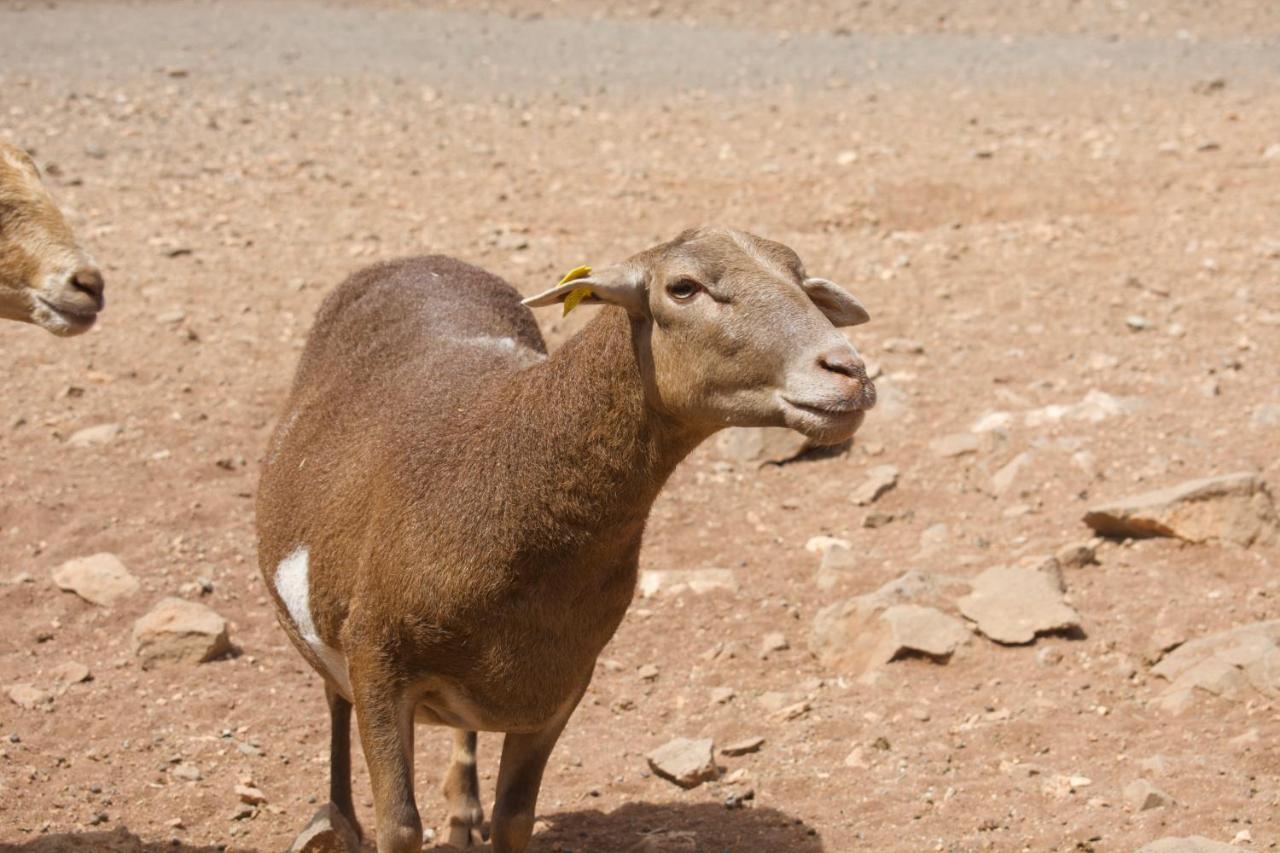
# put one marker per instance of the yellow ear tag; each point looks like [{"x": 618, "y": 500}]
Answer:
[{"x": 571, "y": 301}]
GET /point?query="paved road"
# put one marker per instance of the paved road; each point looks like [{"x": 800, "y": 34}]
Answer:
[{"x": 488, "y": 53}]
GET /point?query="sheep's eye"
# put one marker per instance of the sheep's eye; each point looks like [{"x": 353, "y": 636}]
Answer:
[{"x": 683, "y": 289}]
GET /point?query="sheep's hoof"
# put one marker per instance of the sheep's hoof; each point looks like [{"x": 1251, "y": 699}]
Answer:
[
  {"x": 328, "y": 832},
  {"x": 465, "y": 835}
]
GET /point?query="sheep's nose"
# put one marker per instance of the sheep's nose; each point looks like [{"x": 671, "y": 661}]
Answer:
[
  {"x": 844, "y": 361},
  {"x": 89, "y": 280}
]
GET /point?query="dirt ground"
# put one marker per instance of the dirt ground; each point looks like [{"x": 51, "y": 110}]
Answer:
[{"x": 1011, "y": 189}]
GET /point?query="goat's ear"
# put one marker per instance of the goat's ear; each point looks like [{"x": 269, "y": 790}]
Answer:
[
  {"x": 841, "y": 307},
  {"x": 623, "y": 285}
]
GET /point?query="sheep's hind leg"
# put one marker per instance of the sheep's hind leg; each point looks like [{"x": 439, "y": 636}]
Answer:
[
  {"x": 461, "y": 790},
  {"x": 334, "y": 829}
]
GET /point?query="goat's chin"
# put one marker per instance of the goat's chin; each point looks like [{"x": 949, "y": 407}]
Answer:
[
  {"x": 63, "y": 323},
  {"x": 824, "y": 427}
]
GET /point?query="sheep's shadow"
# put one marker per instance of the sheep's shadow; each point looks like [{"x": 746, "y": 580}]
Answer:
[
  {"x": 118, "y": 840},
  {"x": 632, "y": 828},
  {"x": 677, "y": 828}
]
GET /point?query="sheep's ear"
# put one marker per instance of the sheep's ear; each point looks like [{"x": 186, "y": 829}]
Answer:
[
  {"x": 841, "y": 307},
  {"x": 621, "y": 285}
]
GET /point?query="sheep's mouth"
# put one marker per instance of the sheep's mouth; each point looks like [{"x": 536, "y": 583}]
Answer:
[{"x": 72, "y": 319}]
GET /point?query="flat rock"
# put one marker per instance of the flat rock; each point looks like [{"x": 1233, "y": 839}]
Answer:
[
  {"x": 180, "y": 631},
  {"x": 1140, "y": 796},
  {"x": 29, "y": 696},
  {"x": 677, "y": 581},
  {"x": 1235, "y": 508},
  {"x": 957, "y": 444},
  {"x": 687, "y": 763},
  {"x": 760, "y": 445},
  {"x": 1002, "y": 481},
  {"x": 880, "y": 479},
  {"x": 866, "y": 632},
  {"x": 99, "y": 579},
  {"x": 1236, "y": 665},
  {"x": 1013, "y": 605},
  {"x": 838, "y": 562},
  {"x": 328, "y": 832},
  {"x": 94, "y": 435},
  {"x": 68, "y": 673},
  {"x": 742, "y": 747},
  {"x": 1187, "y": 844}
]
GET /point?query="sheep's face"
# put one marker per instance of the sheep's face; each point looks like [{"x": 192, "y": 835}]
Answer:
[
  {"x": 45, "y": 277},
  {"x": 733, "y": 332}
]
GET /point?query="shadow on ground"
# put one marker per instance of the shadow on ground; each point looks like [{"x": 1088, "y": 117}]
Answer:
[
  {"x": 677, "y": 828},
  {"x": 633, "y": 828},
  {"x": 118, "y": 840}
]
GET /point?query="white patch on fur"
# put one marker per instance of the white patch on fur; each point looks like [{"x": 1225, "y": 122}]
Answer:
[
  {"x": 294, "y": 588},
  {"x": 509, "y": 345}
]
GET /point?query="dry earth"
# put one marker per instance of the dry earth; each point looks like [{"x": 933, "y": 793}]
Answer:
[{"x": 1015, "y": 191}]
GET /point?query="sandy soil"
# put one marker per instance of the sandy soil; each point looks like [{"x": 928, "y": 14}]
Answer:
[{"x": 1005, "y": 189}]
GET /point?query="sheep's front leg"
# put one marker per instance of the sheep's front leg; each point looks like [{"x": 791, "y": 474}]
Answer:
[
  {"x": 384, "y": 712},
  {"x": 461, "y": 790},
  {"x": 524, "y": 757}
]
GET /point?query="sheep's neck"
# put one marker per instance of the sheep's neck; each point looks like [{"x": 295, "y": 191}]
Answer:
[{"x": 589, "y": 437}]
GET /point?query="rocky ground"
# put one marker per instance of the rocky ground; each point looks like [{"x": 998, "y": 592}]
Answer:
[{"x": 1064, "y": 221}]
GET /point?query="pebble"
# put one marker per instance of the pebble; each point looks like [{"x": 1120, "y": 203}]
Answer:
[
  {"x": 180, "y": 631},
  {"x": 903, "y": 345},
  {"x": 1137, "y": 323},
  {"x": 100, "y": 579},
  {"x": 956, "y": 444},
  {"x": 880, "y": 479},
  {"x": 30, "y": 697},
  {"x": 186, "y": 772},
  {"x": 1013, "y": 605},
  {"x": 648, "y": 672},
  {"x": 685, "y": 762},
  {"x": 250, "y": 795},
  {"x": 742, "y": 747},
  {"x": 95, "y": 435},
  {"x": 1140, "y": 796},
  {"x": 774, "y": 641},
  {"x": 722, "y": 695}
]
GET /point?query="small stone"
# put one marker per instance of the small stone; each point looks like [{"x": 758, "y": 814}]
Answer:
[
  {"x": 1049, "y": 656},
  {"x": 1242, "y": 837},
  {"x": 1237, "y": 665},
  {"x": 1013, "y": 605},
  {"x": 878, "y": 519},
  {"x": 648, "y": 672},
  {"x": 956, "y": 444},
  {"x": 328, "y": 832},
  {"x": 688, "y": 763},
  {"x": 99, "y": 579},
  {"x": 794, "y": 711},
  {"x": 68, "y": 673},
  {"x": 880, "y": 479},
  {"x": 1137, "y": 323},
  {"x": 1140, "y": 796},
  {"x": 760, "y": 446},
  {"x": 1187, "y": 844},
  {"x": 1077, "y": 555},
  {"x": 903, "y": 345},
  {"x": 180, "y": 631},
  {"x": 186, "y": 772},
  {"x": 919, "y": 714},
  {"x": 95, "y": 435},
  {"x": 722, "y": 695},
  {"x": 742, "y": 747},
  {"x": 1002, "y": 481},
  {"x": 677, "y": 581},
  {"x": 773, "y": 642},
  {"x": 250, "y": 795},
  {"x": 29, "y": 697}
]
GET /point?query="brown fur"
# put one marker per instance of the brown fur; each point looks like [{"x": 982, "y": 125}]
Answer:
[
  {"x": 473, "y": 526},
  {"x": 45, "y": 276}
]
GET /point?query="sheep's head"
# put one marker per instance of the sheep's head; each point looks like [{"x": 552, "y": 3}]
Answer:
[
  {"x": 733, "y": 332},
  {"x": 45, "y": 277}
]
